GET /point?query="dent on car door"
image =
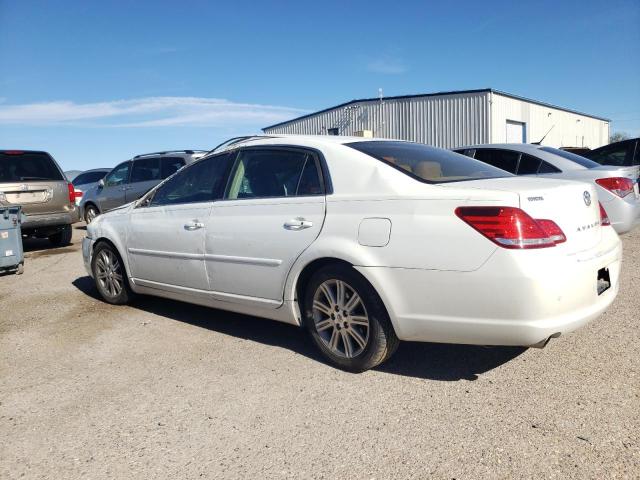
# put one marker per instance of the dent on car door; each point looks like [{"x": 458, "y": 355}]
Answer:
[
  {"x": 112, "y": 194},
  {"x": 273, "y": 209},
  {"x": 166, "y": 232}
]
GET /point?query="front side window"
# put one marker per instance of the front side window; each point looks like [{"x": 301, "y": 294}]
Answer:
[
  {"x": 145, "y": 170},
  {"x": 263, "y": 173},
  {"x": 428, "y": 164},
  {"x": 611, "y": 155},
  {"x": 201, "y": 181},
  {"x": 118, "y": 176}
]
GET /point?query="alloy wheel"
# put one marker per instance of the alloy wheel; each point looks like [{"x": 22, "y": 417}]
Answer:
[
  {"x": 109, "y": 273},
  {"x": 340, "y": 318}
]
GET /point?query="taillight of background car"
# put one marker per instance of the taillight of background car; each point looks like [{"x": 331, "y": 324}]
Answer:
[
  {"x": 620, "y": 186},
  {"x": 511, "y": 227},
  {"x": 604, "y": 218}
]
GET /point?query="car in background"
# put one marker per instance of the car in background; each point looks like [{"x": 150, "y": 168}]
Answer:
[
  {"x": 625, "y": 153},
  {"x": 130, "y": 180},
  {"x": 34, "y": 180},
  {"x": 365, "y": 242},
  {"x": 576, "y": 150},
  {"x": 85, "y": 181},
  {"x": 617, "y": 187},
  {"x": 72, "y": 174}
]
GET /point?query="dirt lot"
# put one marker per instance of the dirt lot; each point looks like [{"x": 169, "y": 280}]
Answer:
[{"x": 168, "y": 390}]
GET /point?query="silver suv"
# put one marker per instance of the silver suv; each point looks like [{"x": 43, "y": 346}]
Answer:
[
  {"x": 130, "y": 180},
  {"x": 34, "y": 180}
]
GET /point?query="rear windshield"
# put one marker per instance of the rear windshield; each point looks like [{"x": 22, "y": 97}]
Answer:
[
  {"x": 585, "y": 162},
  {"x": 23, "y": 167},
  {"x": 428, "y": 164},
  {"x": 89, "y": 177}
]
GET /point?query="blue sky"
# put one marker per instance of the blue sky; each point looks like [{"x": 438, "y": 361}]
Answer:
[{"x": 97, "y": 82}]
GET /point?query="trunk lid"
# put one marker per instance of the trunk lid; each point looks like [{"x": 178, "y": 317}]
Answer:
[{"x": 573, "y": 206}]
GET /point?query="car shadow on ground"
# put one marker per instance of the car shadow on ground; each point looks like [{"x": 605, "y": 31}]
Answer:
[{"x": 421, "y": 360}]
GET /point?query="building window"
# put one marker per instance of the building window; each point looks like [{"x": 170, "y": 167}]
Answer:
[{"x": 333, "y": 131}]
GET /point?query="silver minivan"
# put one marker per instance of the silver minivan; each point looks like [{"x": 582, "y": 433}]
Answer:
[{"x": 130, "y": 180}]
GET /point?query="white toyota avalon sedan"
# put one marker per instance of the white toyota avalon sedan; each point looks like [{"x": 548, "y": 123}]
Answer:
[{"x": 364, "y": 243}]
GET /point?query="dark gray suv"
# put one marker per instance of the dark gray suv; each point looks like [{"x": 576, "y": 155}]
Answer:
[{"x": 130, "y": 180}]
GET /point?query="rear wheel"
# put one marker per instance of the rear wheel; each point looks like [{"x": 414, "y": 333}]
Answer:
[
  {"x": 347, "y": 319},
  {"x": 91, "y": 213},
  {"x": 110, "y": 276},
  {"x": 63, "y": 237}
]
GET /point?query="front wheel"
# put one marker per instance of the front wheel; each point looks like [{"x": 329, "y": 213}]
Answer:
[
  {"x": 347, "y": 319},
  {"x": 110, "y": 276},
  {"x": 90, "y": 214}
]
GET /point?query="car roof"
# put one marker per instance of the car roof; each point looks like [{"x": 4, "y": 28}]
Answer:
[
  {"x": 182, "y": 153},
  {"x": 302, "y": 140}
]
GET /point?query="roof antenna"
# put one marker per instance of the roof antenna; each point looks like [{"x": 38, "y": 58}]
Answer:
[
  {"x": 380, "y": 94},
  {"x": 539, "y": 142}
]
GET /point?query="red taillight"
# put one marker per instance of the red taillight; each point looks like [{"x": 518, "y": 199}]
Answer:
[
  {"x": 604, "y": 218},
  {"x": 77, "y": 194},
  {"x": 72, "y": 193},
  {"x": 508, "y": 227},
  {"x": 553, "y": 231},
  {"x": 620, "y": 186},
  {"x": 13, "y": 152}
]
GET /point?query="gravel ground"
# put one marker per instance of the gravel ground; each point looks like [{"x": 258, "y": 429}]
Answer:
[{"x": 163, "y": 389}]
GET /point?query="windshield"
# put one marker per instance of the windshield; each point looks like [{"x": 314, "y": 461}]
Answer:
[
  {"x": 585, "y": 162},
  {"x": 25, "y": 166},
  {"x": 428, "y": 164}
]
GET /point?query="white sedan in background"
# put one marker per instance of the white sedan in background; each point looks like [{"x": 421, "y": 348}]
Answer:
[
  {"x": 617, "y": 186},
  {"x": 364, "y": 243}
]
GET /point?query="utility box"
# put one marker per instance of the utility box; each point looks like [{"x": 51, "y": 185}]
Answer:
[
  {"x": 364, "y": 133},
  {"x": 11, "y": 254}
]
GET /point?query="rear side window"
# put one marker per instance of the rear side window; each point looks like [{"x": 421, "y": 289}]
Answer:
[
  {"x": 145, "y": 169},
  {"x": 88, "y": 177},
  {"x": 504, "y": 159},
  {"x": 528, "y": 165},
  {"x": 546, "y": 167},
  {"x": 28, "y": 166},
  {"x": 170, "y": 165},
  {"x": 264, "y": 173},
  {"x": 428, "y": 164},
  {"x": 202, "y": 181}
]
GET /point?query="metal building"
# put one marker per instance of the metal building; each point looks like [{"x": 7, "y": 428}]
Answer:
[{"x": 451, "y": 119}]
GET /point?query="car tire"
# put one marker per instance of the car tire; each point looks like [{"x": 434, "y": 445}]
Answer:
[
  {"x": 347, "y": 320},
  {"x": 62, "y": 238},
  {"x": 90, "y": 214},
  {"x": 110, "y": 275}
]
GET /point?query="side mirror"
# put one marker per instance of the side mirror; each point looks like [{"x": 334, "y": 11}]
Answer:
[{"x": 101, "y": 183}]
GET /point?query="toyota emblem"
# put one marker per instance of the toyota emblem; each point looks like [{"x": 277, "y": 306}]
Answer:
[{"x": 587, "y": 198}]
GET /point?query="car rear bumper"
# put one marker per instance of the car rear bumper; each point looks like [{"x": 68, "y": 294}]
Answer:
[
  {"x": 623, "y": 213},
  {"x": 516, "y": 298},
  {"x": 35, "y": 221}
]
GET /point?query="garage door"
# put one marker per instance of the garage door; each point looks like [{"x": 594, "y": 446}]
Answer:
[{"x": 516, "y": 132}]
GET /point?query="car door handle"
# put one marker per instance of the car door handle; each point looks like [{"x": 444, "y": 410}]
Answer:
[
  {"x": 298, "y": 224},
  {"x": 193, "y": 225}
]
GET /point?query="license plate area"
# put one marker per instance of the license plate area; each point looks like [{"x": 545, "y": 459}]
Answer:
[{"x": 604, "y": 280}]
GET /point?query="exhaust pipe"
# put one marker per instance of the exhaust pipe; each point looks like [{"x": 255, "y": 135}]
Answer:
[{"x": 543, "y": 343}]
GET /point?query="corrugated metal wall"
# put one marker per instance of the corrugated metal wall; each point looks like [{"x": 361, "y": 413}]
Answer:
[
  {"x": 569, "y": 129},
  {"x": 443, "y": 121}
]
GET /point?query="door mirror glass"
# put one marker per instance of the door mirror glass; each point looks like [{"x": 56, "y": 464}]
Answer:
[{"x": 101, "y": 183}]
